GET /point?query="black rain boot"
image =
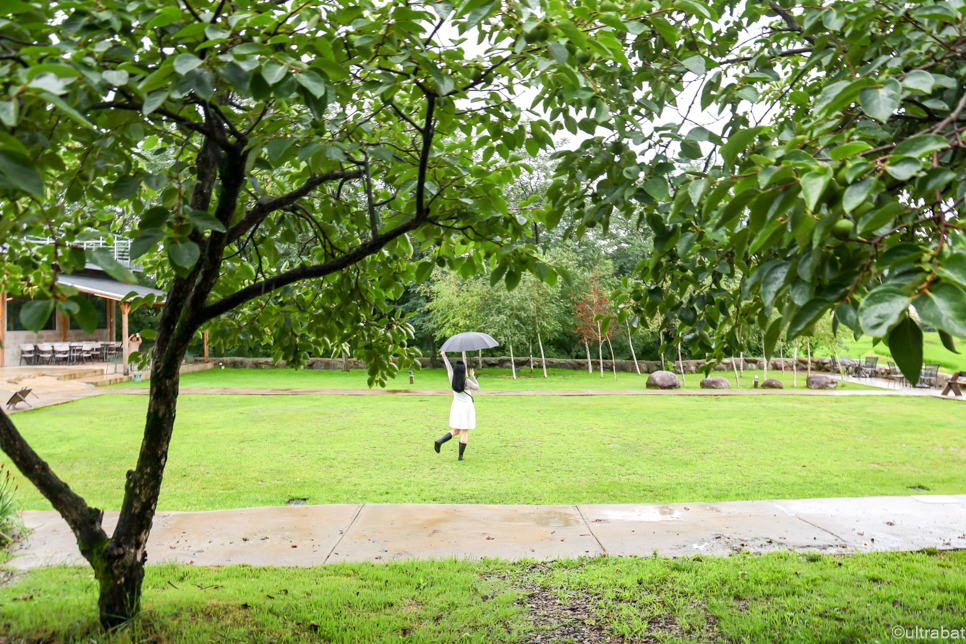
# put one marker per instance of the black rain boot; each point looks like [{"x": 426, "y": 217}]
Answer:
[
  {"x": 442, "y": 440},
  {"x": 462, "y": 449}
]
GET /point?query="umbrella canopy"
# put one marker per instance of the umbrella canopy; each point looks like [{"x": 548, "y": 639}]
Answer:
[{"x": 470, "y": 341}]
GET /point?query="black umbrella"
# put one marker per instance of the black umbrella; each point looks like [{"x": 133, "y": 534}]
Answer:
[{"x": 470, "y": 341}]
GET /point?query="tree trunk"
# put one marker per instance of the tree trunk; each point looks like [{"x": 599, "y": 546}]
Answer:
[
  {"x": 345, "y": 362},
  {"x": 590, "y": 363},
  {"x": 741, "y": 360},
  {"x": 795, "y": 367},
  {"x": 531, "y": 354},
  {"x": 781, "y": 356},
  {"x": 631, "y": 342},
  {"x": 808, "y": 348},
  {"x": 543, "y": 359},
  {"x": 613, "y": 362},
  {"x": 479, "y": 360},
  {"x": 600, "y": 349},
  {"x": 433, "y": 364},
  {"x": 734, "y": 365},
  {"x": 683, "y": 378},
  {"x": 765, "y": 358},
  {"x": 513, "y": 363}
]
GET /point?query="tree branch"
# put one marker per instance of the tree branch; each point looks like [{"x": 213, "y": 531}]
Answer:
[
  {"x": 268, "y": 206},
  {"x": 427, "y": 131}
]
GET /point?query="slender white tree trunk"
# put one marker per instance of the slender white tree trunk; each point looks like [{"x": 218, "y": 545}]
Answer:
[
  {"x": 464, "y": 360},
  {"x": 795, "y": 367},
  {"x": 613, "y": 361},
  {"x": 542, "y": 358},
  {"x": 734, "y": 365},
  {"x": 839, "y": 364},
  {"x": 513, "y": 363},
  {"x": 590, "y": 363},
  {"x": 631, "y": 342},
  {"x": 765, "y": 358},
  {"x": 741, "y": 360},
  {"x": 683, "y": 379},
  {"x": 479, "y": 360},
  {"x": 808, "y": 347},
  {"x": 600, "y": 349},
  {"x": 781, "y": 354},
  {"x": 531, "y": 354}
]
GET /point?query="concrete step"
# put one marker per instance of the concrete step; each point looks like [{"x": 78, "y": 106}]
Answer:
[
  {"x": 104, "y": 380},
  {"x": 81, "y": 374}
]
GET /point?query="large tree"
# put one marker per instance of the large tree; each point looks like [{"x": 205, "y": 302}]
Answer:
[
  {"x": 811, "y": 158},
  {"x": 226, "y": 129}
]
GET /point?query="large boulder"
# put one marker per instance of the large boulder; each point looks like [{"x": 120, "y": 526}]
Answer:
[
  {"x": 716, "y": 382},
  {"x": 822, "y": 382},
  {"x": 772, "y": 383},
  {"x": 663, "y": 380}
]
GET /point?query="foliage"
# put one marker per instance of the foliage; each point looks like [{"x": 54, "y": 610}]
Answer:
[
  {"x": 830, "y": 177},
  {"x": 11, "y": 526}
]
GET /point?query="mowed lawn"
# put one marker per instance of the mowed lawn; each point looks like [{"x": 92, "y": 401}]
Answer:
[
  {"x": 489, "y": 378},
  {"x": 241, "y": 451}
]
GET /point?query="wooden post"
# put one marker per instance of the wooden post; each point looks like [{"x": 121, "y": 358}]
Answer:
[
  {"x": 3, "y": 329},
  {"x": 110, "y": 320},
  {"x": 126, "y": 352},
  {"x": 63, "y": 327},
  {"x": 206, "y": 346}
]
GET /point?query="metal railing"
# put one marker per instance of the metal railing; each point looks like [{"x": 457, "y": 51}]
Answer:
[{"x": 120, "y": 246}]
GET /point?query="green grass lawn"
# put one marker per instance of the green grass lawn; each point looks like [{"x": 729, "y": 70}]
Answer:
[
  {"x": 785, "y": 597},
  {"x": 242, "y": 451},
  {"x": 932, "y": 351},
  {"x": 489, "y": 378}
]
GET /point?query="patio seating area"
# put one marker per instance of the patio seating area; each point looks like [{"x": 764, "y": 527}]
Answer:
[{"x": 70, "y": 353}]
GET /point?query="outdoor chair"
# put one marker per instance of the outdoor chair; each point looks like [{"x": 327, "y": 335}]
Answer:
[
  {"x": 954, "y": 386},
  {"x": 28, "y": 353},
  {"x": 869, "y": 368},
  {"x": 75, "y": 352},
  {"x": 895, "y": 375},
  {"x": 62, "y": 353},
  {"x": 21, "y": 397},
  {"x": 86, "y": 353},
  {"x": 45, "y": 353},
  {"x": 929, "y": 376}
]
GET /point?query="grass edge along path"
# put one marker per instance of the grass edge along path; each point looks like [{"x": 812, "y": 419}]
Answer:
[{"x": 779, "y": 597}]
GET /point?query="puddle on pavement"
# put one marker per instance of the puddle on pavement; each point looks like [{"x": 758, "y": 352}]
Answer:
[{"x": 653, "y": 513}]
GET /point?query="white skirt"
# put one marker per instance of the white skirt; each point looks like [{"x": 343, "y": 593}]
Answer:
[{"x": 462, "y": 414}]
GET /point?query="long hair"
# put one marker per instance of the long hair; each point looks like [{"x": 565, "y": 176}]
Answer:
[{"x": 459, "y": 376}]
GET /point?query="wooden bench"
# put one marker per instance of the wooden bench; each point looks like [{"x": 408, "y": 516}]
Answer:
[{"x": 954, "y": 384}]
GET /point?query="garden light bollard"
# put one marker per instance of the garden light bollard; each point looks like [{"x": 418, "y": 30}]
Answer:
[
  {"x": 411, "y": 379},
  {"x": 756, "y": 382}
]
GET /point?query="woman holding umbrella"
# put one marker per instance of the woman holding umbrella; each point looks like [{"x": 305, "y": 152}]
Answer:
[{"x": 462, "y": 413}]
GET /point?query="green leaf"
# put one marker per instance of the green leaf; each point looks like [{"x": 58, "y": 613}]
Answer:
[
  {"x": 813, "y": 185},
  {"x": 273, "y": 72},
  {"x": 19, "y": 169},
  {"x": 34, "y": 314},
  {"x": 919, "y": 79},
  {"x": 332, "y": 69},
  {"x": 573, "y": 34},
  {"x": 943, "y": 306},
  {"x": 772, "y": 281},
  {"x": 512, "y": 279},
  {"x": 444, "y": 84},
  {"x": 184, "y": 255},
  {"x": 116, "y": 77},
  {"x": 952, "y": 266},
  {"x": 849, "y": 149},
  {"x": 104, "y": 257},
  {"x": 905, "y": 345},
  {"x": 73, "y": 114},
  {"x": 311, "y": 81},
  {"x": 145, "y": 241},
  {"x": 558, "y": 51},
  {"x": 126, "y": 187},
  {"x": 154, "y": 217},
  {"x": 204, "y": 221},
  {"x": 948, "y": 341},
  {"x": 695, "y": 64},
  {"x": 153, "y": 101},
  {"x": 920, "y": 145},
  {"x": 477, "y": 15},
  {"x": 184, "y": 63},
  {"x": 857, "y": 193},
  {"x": 334, "y": 152},
  {"x": 882, "y": 308},
  {"x": 86, "y": 314},
  {"x": 8, "y": 113},
  {"x": 806, "y": 316},
  {"x": 880, "y": 102},
  {"x": 903, "y": 168},
  {"x": 423, "y": 271},
  {"x": 497, "y": 274},
  {"x": 875, "y": 219},
  {"x": 737, "y": 143},
  {"x": 657, "y": 187}
]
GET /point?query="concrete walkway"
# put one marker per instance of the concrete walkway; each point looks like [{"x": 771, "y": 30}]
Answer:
[{"x": 315, "y": 535}]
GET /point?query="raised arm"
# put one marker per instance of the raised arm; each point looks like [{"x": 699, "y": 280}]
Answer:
[
  {"x": 449, "y": 367},
  {"x": 472, "y": 384}
]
